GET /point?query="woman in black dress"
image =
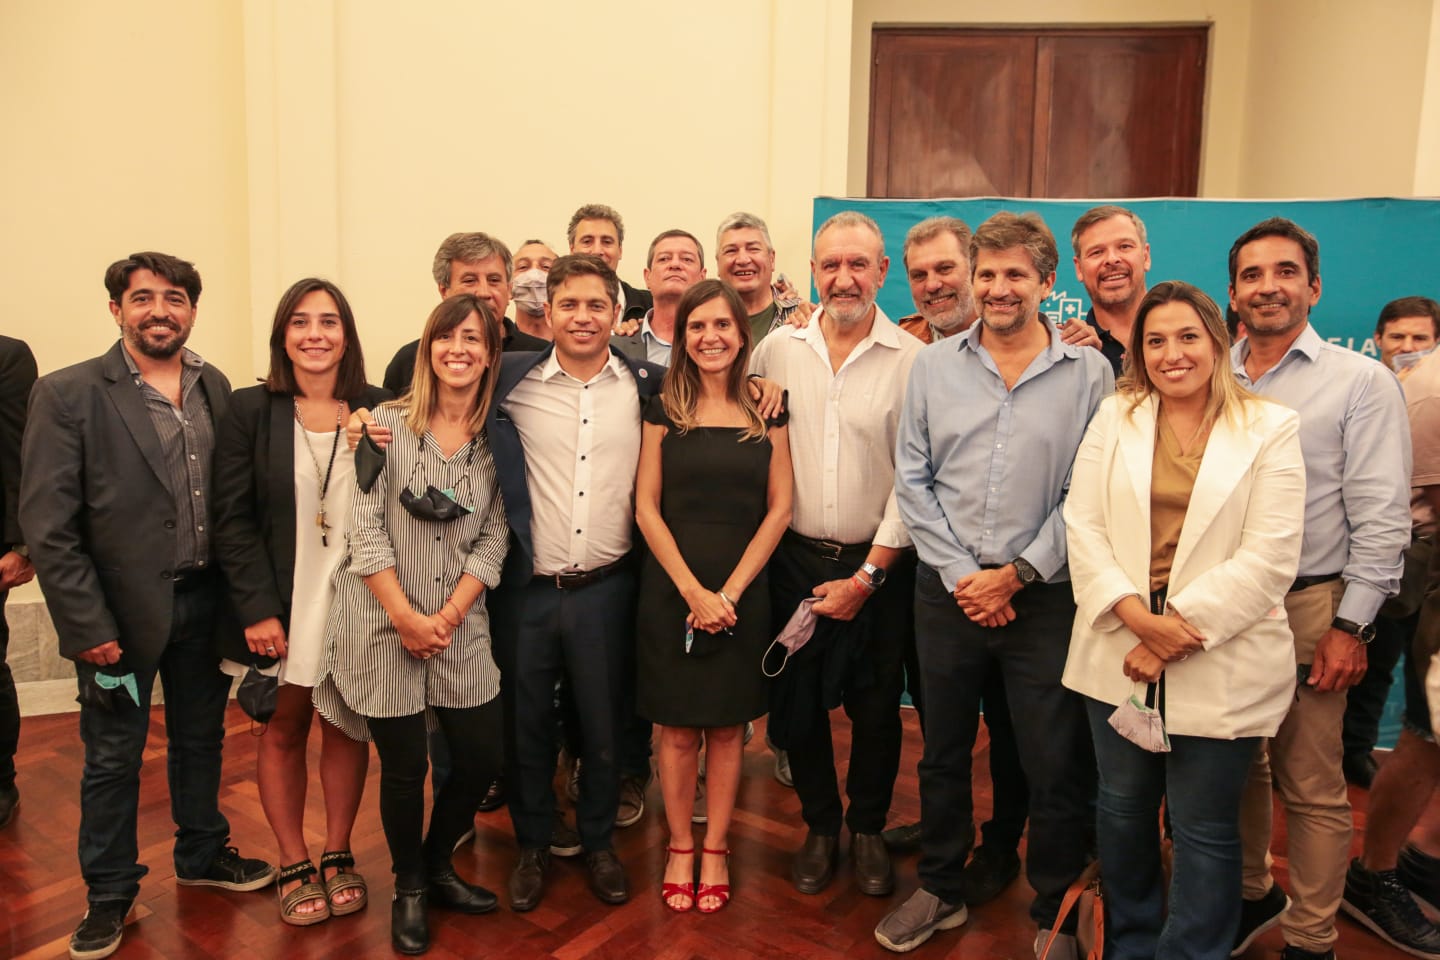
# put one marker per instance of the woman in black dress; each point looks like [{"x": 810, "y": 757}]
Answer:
[{"x": 712, "y": 498}]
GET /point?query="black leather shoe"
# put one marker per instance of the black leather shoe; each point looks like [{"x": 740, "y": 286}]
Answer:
[
  {"x": 871, "y": 861},
  {"x": 494, "y": 797},
  {"x": 9, "y": 804},
  {"x": 527, "y": 882},
  {"x": 607, "y": 877},
  {"x": 814, "y": 866},
  {"x": 449, "y": 891},
  {"x": 409, "y": 928}
]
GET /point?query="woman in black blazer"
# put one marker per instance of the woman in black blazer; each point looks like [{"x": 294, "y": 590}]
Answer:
[{"x": 282, "y": 487}]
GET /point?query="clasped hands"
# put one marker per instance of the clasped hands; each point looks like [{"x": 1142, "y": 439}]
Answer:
[
  {"x": 709, "y": 611},
  {"x": 984, "y": 596},
  {"x": 425, "y": 636},
  {"x": 1163, "y": 639}
]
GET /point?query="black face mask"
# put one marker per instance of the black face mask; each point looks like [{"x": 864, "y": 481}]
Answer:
[
  {"x": 256, "y": 695},
  {"x": 434, "y": 505},
  {"x": 110, "y": 690}
]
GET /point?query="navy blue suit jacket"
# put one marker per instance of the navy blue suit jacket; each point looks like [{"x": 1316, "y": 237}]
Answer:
[{"x": 509, "y": 453}]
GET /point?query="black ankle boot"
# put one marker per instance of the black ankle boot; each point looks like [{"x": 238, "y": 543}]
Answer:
[{"x": 409, "y": 928}]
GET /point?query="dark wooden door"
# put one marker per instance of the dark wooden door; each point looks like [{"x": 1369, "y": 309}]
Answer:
[{"x": 1054, "y": 113}]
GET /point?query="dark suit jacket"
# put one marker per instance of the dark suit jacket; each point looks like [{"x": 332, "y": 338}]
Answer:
[
  {"x": 17, "y": 376},
  {"x": 509, "y": 454},
  {"x": 637, "y": 302},
  {"x": 97, "y": 512},
  {"x": 253, "y": 487},
  {"x": 401, "y": 369}
]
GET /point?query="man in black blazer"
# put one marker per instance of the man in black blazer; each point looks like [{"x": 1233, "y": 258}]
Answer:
[
  {"x": 114, "y": 503},
  {"x": 17, "y": 376},
  {"x": 599, "y": 230},
  {"x": 468, "y": 263},
  {"x": 564, "y": 429}
]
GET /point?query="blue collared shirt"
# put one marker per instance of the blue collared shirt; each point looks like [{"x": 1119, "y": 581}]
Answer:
[
  {"x": 656, "y": 350},
  {"x": 981, "y": 471},
  {"x": 1357, "y": 465}
]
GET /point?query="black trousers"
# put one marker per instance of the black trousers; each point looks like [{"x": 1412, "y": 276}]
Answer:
[
  {"x": 870, "y": 696},
  {"x": 9, "y": 705},
  {"x": 1051, "y": 730},
  {"x": 1365, "y": 701},
  {"x": 472, "y": 739},
  {"x": 542, "y": 633}
]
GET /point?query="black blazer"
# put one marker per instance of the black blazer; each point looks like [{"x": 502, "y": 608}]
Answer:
[
  {"x": 96, "y": 510},
  {"x": 17, "y": 376},
  {"x": 509, "y": 454},
  {"x": 637, "y": 302},
  {"x": 253, "y": 486}
]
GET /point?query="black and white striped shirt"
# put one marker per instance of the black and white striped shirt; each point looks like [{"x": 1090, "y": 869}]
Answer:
[{"x": 366, "y": 663}]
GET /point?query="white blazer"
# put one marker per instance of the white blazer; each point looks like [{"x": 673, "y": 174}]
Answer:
[{"x": 1237, "y": 556}]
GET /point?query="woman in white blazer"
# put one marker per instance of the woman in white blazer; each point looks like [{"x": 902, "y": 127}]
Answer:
[{"x": 1184, "y": 522}]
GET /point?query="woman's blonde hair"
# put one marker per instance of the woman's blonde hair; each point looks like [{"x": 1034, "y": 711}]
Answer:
[
  {"x": 680, "y": 391},
  {"x": 1228, "y": 397},
  {"x": 420, "y": 402}
]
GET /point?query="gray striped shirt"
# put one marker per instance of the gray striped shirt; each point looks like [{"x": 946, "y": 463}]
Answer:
[
  {"x": 367, "y": 666},
  {"x": 187, "y": 438}
]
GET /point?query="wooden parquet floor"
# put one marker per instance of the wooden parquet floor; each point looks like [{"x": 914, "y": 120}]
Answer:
[{"x": 42, "y": 897}]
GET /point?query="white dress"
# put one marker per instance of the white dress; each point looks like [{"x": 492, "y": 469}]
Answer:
[{"x": 315, "y": 564}]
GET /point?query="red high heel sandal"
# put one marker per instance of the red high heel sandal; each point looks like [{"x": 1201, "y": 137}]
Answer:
[
  {"x": 720, "y": 891},
  {"x": 668, "y": 890}
]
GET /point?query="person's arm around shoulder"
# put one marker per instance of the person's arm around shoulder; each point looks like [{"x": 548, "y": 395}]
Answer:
[
  {"x": 52, "y": 498},
  {"x": 1232, "y": 595}
]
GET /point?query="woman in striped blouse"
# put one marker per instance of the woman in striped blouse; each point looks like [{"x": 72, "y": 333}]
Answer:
[{"x": 408, "y": 632}]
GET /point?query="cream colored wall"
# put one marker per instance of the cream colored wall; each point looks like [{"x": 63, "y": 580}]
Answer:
[
  {"x": 121, "y": 134},
  {"x": 1427, "y": 148},
  {"x": 1337, "y": 97}
]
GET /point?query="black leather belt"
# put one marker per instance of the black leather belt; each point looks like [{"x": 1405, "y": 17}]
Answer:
[
  {"x": 574, "y": 580},
  {"x": 829, "y": 549},
  {"x": 1305, "y": 583}
]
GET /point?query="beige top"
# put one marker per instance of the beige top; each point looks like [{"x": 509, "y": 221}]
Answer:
[{"x": 1172, "y": 478}]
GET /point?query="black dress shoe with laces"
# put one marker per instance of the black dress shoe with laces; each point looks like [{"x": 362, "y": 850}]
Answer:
[
  {"x": 409, "y": 927},
  {"x": 814, "y": 865},
  {"x": 447, "y": 890},
  {"x": 494, "y": 797}
]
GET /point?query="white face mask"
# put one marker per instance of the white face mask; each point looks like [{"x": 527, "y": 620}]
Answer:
[{"x": 528, "y": 291}]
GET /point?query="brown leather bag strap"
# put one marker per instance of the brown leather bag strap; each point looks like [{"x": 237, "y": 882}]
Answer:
[{"x": 1088, "y": 877}]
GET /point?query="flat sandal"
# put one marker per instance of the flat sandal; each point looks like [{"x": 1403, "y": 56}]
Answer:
[
  {"x": 344, "y": 878},
  {"x": 303, "y": 871}
]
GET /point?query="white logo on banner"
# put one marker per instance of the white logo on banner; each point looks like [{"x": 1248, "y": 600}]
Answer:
[{"x": 1061, "y": 307}]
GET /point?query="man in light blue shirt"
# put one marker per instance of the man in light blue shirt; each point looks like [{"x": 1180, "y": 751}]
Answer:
[
  {"x": 675, "y": 263},
  {"x": 1357, "y": 524},
  {"x": 991, "y": 423}
]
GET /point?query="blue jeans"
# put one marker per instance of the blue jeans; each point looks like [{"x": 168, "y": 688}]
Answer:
[
  {"x": 1201, "y": 780},
  {"x": 196, "y": 693}
]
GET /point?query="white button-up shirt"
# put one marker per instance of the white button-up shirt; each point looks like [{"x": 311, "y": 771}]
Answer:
[
  {"x": 582, "y": 444},
  {"x": 843, "y": 426}
]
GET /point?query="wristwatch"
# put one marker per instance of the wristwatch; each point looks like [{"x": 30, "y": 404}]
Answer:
[
  {"x": 876, "y": 575},
  {"x": 1025, "y": 571},
  {"x": 1364, "y": 632}
]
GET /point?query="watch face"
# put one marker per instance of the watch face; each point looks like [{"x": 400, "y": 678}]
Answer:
[{"x": 877, "y": 574}]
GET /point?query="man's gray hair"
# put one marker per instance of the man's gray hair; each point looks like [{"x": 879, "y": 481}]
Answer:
[
  {"x": 468, "y": 248},
  {"x": 850, "y": 218},
  {"x": 740, "y": 220},
  {"x": 932, "y": 227},
  {"x": 596, "y": 211}
]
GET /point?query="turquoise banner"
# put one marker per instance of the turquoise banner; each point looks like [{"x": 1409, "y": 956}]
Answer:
[{"x": 1371, "y": 251}]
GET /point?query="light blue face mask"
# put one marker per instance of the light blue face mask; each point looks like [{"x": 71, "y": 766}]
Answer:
[{"x": 110, "y": 682}]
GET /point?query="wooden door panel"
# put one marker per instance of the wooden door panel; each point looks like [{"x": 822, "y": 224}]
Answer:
[
  {"x": 1120, "y": 115},
  {"x": 1058, "y": 112},
  {"x": 943, "y": 110}
]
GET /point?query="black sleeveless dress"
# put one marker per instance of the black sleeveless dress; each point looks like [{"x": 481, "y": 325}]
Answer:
[{"x": 713, "y": 498}]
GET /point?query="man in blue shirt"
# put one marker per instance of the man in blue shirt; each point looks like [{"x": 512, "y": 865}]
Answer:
[
  {"x": 991, "y": 423},
  {"x": 1357, "y": 523}
]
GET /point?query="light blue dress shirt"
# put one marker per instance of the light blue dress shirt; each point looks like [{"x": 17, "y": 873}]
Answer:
[
  {"x": 981, "y": 472},
  {"x": 656, "y": 350},
  {"x": 1354, "y": 433}
]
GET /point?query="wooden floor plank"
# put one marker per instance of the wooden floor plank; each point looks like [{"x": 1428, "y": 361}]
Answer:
[{"x": 42, "y": 896}]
